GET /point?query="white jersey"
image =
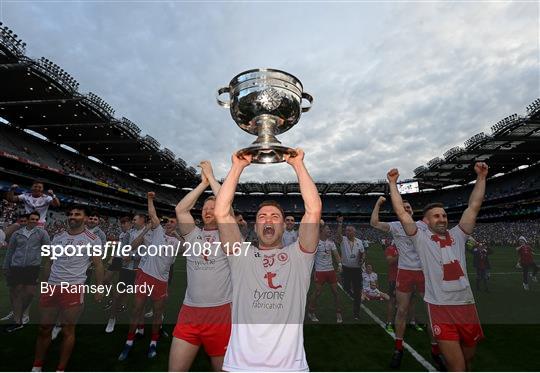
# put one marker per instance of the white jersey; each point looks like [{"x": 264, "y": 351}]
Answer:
[
  {"x": 208, "y": 277},
  {"x": 269, "y": 301},
  {"x": 39, "y": 204},
  {"x": 99, "y": 232},
  {"x": 408, "y": 256},
  {"x": 431, "y": 258},
  {"x": 289, "y": 237},
  {"x": 367, "y": 278},
  {"x": 158, "y": 266},
  {"x": 323, "y": 256},
  {"x": 72, "y": 269},
  {"x": 134, "y": 233},
  {"x": 351, "y": 253}
]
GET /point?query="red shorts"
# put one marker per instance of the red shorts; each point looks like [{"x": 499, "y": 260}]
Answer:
[
  {"x": 456, "y": 323},
  {"x": 322, "y": 277},
  {"x": 159, "y": 291},
  {"x": 408, "y": 280},
  {"x": 58, "y": 298},
  {"x": 209, "y": 326}
]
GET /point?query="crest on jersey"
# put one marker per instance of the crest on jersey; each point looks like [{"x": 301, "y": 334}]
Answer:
[
  {"x": 436, "y": 329},
  {"x": 283, "y": 257}
]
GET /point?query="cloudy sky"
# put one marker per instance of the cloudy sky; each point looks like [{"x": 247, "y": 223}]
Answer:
[{"x": 395, "y": 83}]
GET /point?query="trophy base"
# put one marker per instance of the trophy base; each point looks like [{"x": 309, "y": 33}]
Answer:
[{"x": 267, "y": 153}]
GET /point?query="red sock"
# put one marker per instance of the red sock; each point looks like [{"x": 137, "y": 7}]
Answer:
[
  {"x": 399, "y": 344},
  {"x": 60, "y": 368},
  {"x": 155, "y": 337},
  {"x": 38, "y": 363},
  {"x": 131, "y": 336},
  {"x": 435, "y": 349}
]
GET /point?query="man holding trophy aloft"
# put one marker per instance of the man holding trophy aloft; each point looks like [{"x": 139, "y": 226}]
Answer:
[{"x": 270, "y": 282}]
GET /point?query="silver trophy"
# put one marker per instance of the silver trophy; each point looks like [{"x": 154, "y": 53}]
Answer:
[{"x": 265, "y": 103}]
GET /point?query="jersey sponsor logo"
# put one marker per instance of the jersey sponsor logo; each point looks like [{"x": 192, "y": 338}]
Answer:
[
  {"x": 270, "y": 300},
  {"x": 268, "y": 260},
  {"x": 269, "y": 276},
  {"x": 283, "y": 257}
]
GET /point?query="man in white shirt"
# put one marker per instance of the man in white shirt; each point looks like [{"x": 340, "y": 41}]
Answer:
[
  {"x": 450, "y": 300},
  {"x": 325, "y": 272},
  {"x": 270, "y": 282},
  {"x": 352, "y": 259},
  {"x": 66, "y": 304},
  {"x": 36, "y": 200},
  {"x": 151, "y": 280},
  {"x": 205, "y": 316},
  {"x": 290, "y": 235},
  {"x": 409, "y": 280}
]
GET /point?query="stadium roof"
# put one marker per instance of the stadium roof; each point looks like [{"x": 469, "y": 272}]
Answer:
[{"x": 40, "y": 96}]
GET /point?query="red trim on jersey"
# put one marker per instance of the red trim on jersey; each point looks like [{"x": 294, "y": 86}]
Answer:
[
  {"x": 414, "y": 234},
  {"x": 304, "y": 251},
  {"x": 89, "y": 234},
  {"x": 463, "y": 230}
]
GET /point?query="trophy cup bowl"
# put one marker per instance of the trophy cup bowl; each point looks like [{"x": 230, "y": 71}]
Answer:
[{"x": 265, "y": 103}]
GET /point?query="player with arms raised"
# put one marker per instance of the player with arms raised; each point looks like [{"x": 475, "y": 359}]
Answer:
[{"x": 450, "y": 300}]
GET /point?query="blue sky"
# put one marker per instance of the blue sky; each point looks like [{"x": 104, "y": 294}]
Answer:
[{"x": 395, "y": 84}]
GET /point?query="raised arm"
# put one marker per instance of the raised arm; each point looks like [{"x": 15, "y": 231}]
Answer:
[
  {"x": 139, "y": 240},
  {"x": 154, "y": 220},
  {"x": 207, "y": 171},
  {"x": 374, "y": 221},
  {"x": 55, "y": 201},
  {"x": 10, "y": 195},
  {"x": 468, "y": 219},
  {"x": 308, "y": 232},
  {"x": 397, "y": 203},
  {"x": 229, "y": 232},
  {"x": 183, "y": 208}
]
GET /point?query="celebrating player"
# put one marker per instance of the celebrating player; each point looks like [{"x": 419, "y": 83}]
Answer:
[
  {"x": 450, "y": 300},
  {"x": 66, "y": 305},
  {"x": 409, "y": 279},
  {"x": 270, "y": 282},
  {"x": 35, "y": 200},
  {"x": 153, "y": 274},
  {"x": 205, "y": 316}
]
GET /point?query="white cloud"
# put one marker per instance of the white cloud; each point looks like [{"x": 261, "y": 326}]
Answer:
[{"x": 394, "y": 84}]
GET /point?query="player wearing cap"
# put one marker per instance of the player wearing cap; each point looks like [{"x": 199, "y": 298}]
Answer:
[
  {"x": 205, "y": 316},
  {"x": 270, "y": 282},
  {"x": 450, "y": 300}
]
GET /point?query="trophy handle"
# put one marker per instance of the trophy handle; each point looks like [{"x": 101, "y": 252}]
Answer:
[
  {"x": 225, "y": 104},
  {"x": 308, "y": 97}
]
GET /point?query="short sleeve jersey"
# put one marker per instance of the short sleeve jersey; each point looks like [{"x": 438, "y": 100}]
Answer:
[
  {"x": 269, "y": 300},
  {"x": 432, "y": 266},
  {"x": 72, "y": 268},
  {"x": 208, "y": 276}
]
